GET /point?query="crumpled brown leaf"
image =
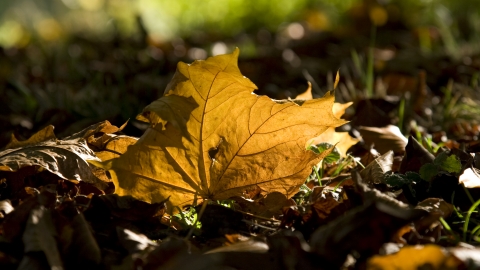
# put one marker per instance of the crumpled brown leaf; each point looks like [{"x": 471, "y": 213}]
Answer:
[
  {"x": 211, "y": 138},
  {"x": 41, "y": 136},
  {"x": 40, "y": 236},
  {"x": 368, "y": 193},
  {"x": 364, "y": 229},
  {"x": 65, "y": 158},
  {"x": 415, "y": 157},
  {"x": 100, "y": 138},
  {"x": 385, "y": 138},
  {"x": 98, "y": 135},
  {"x": 375, "y": 171},
  {"x": 269, "y": 206},
  {"x": 248, "y": 245}
]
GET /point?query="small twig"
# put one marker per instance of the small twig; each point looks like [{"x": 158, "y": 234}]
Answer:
[
  {"x": 256, "y": 224},
  {"x": 259, "y": 217},
  {"x": 199, "y": 215}
]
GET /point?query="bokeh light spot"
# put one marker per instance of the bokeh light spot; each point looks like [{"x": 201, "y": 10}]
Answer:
[{"x": 295, "y": 30}]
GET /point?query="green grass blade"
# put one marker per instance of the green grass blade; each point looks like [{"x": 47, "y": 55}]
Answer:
[
  {"x": 401, "y": 115},
  {"x": 369, "y": 79},
  {"x": 467, "y": 219}
]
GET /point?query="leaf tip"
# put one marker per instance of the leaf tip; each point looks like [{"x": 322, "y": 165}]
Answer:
[
  {"x": 337, "y": 79},
  {"x": 236, "y": 52}
]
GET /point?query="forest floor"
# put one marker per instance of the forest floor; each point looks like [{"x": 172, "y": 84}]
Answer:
[{"x": 405, "y": 196}]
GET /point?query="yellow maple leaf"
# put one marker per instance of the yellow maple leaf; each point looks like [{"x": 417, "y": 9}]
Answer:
[
  {"x": 416, "y": 257},
  {"x": 342, "y": 140},
  {"x": 212, "y": 138}
]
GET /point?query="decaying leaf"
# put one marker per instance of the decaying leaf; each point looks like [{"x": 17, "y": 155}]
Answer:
[
  {"x": 5, "y": 208},
  {"x": 125, "y": 207},
  {"x": 415, "y": 156},
  {"x": 98, "y": 135},
  {"x": 368, "y": 193},
  {"x": 249, "y": 245},
  {"x": 384, "y": 139},
  {"x": 327, "y": 207},
  {"x": 416, "y": 257},
  {"x": 218, "y": 221},
  {"x": 375, "y": 171},
  {"x": 65, "y": 158},
  {"x": 40, "y": 236},
  {"x": 41, "y": 136},
  {"x": 211, "y": 138},
  {"x": 176, "y": 254},
  {"x": 468, "y": 255},
  {"x": 134, "y": 242},
  {"x": 470, "y": 178},
  {"x": 364, "y": 229},
  {"x": 436, "y": 206},
  {"x": 269, "y": 206}
]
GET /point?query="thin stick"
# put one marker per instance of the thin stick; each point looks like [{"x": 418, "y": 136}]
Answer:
[
  {"x": 259, "y": 217},
  {"x": 199, "y": 215},
  {"x": 259, "y": 225}
]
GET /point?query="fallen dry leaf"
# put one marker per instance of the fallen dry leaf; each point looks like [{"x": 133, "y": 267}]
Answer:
[
  {"x": 384, "y": 139},
  {"x": 65, "y": 158},
  {"x": 364, "y": 229},
  {"x": 41, "y": 136},
  {"x": 376, "y": 170},
  {"x": 134, "y": 242},
  {"x": 82, "y": 249},
  {"x": 269, "y": 206},
  {"x": 212, "y": 138},
  {"x": 436, "y": 206},
  {"x": 98, "y": 135},
  {"x": 415, "y": 157},
  {"x": 470, "y": 178},
  {"x": 39, "y": 236},
  {"x": 249, "y": 245},
  {"x": 416, "y": 257}
]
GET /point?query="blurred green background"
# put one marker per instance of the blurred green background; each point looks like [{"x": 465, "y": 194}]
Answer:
[
  {"x": 26, "y": 21},
  {"x": 71, "y": 63}
]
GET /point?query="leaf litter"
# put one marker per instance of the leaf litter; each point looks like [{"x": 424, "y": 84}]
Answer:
[{"x": 238, "y": 164}]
